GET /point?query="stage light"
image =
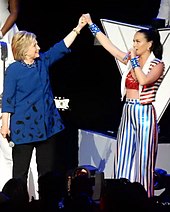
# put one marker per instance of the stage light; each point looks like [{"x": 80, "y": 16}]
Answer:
[
  {"x": 162, "y": 181},
  {"x": 95, "y": 177},
  {"x": 159, "y": 178}
]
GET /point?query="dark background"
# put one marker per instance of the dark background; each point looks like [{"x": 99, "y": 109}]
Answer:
[{"x": 89, "y": 76}]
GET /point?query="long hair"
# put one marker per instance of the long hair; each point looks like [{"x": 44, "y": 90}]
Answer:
[{"x": 152, "y": 34}]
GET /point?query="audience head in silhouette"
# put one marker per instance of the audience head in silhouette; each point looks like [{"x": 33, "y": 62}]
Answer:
[
  {"x": 52, "y": 190},
  {"x": 118, "y": 194},
  {"x": 16, "y": 190},
  {"x": 80, "y": 195}
]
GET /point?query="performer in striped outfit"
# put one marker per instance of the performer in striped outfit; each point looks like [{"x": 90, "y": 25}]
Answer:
[{"x": 137, "y": 138}]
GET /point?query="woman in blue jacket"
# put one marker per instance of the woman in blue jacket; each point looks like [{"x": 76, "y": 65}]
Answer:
[{"x": 29, "y": 102}]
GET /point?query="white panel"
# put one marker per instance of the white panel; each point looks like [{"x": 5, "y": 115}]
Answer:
[{"x": 99, "y": 150}]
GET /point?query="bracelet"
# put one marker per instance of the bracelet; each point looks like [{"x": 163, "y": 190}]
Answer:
[
  {"x": 1, "y": 35},
  {"x": 94, "y": 29},
  {"x": 76, "y": 31},
  {"x": 134, "y": 62}
]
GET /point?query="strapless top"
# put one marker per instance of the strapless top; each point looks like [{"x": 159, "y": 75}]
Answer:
[{"x": 131, "y": 83}]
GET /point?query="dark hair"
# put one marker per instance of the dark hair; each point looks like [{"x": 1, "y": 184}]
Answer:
[{"x": 152, "y": 34}]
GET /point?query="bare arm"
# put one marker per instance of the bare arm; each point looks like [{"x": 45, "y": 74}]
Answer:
[
  {"x": 14, "y": 10},
  {"x": 69, "y": 39},
  {"x": 106, "y": 42},
  {"x": 152, "y": 76}
]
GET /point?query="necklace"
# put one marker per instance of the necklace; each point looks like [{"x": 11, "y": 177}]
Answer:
[{"x": 33, "y": 65}]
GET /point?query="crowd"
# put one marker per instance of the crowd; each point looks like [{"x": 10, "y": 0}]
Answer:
[{"x": 116, "y": 195}]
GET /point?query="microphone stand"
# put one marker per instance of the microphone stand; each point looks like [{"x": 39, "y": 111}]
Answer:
[{"x": 4, "y": 55}]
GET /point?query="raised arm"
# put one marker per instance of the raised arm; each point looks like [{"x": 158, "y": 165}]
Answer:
[
  {"x": 69, "y": 39},
  {"x": 104, "y": 40}
]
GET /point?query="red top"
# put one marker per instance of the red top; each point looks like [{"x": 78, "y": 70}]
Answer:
[{"x": 131, "y": 83}]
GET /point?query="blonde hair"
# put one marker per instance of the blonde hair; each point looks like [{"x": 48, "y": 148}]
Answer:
[{"x": 20, "y": 44}]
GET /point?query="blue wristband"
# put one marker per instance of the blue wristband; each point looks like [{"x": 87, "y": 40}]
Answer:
[
  {"x": 134, "y": 62},
  {"x": 94, "y": 29}
]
